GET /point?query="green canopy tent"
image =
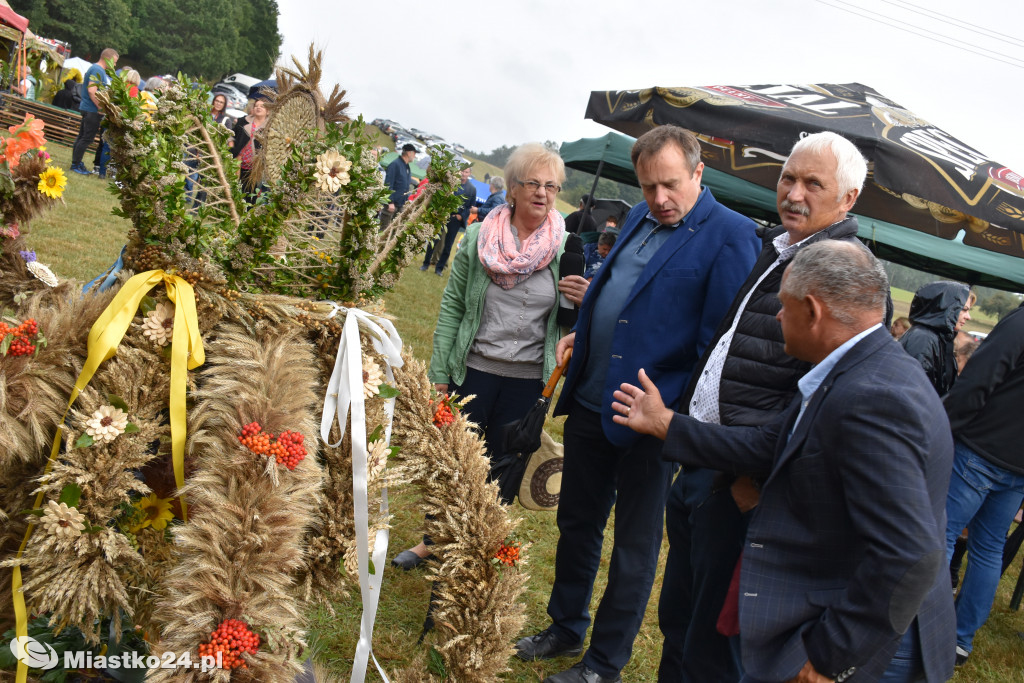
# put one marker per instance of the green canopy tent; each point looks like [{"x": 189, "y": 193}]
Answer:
[
  {"x": 417, "y": 170},
  {"x": 608, "y": 155}
]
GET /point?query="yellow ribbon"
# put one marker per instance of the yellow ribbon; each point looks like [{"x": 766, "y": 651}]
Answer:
[{"x": 104, "y": 337}]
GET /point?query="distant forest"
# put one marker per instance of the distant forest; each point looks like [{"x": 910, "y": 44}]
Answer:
[{"x": 205, "y": 39}]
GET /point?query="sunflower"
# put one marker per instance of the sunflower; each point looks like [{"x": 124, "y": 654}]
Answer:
[
  {"x": 156, "y": 512},
  {"x": 52, "y": 182}
]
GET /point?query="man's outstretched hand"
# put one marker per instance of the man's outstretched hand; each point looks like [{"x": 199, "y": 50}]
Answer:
[{"x": 641, "y": 408}]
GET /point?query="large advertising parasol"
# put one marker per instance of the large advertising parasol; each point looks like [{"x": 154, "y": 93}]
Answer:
[{"x": 920, "y": 178}]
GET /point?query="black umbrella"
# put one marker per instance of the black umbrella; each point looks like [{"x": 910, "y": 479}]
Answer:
[
  {"x": 950, "y": 209},
  {"x": 522, "y": 437}
]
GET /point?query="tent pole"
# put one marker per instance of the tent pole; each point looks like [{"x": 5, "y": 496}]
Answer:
[{"x": 593, "y": 188}]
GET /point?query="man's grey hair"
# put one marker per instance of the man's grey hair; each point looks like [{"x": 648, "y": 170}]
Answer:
[
  {"x": 497, "y": 183},
  {"x": 851, "y": 167},
  {"x": 845, "y": 276}
]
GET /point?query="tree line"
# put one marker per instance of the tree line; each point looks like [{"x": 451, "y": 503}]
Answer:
[{"x": 205, "y": 39}]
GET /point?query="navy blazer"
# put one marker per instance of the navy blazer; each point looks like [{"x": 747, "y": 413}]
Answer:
[
  {"x": 674, "y": 307},
  {"x": 847, "y": 545}
]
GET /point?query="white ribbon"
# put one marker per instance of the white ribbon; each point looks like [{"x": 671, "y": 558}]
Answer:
[{"x": 345, "y": 390}]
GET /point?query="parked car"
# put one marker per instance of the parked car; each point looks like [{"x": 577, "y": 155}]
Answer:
[
  {"x": 236, "y": 88},
  {"x": 402, "y": 141},
  {"x": 386, "y": 126}
]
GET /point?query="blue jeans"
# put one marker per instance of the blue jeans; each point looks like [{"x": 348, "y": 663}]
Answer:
[
  {"x": 597, "y": 474},
  {"x": 906, "y": 665},
  {"x": 984, "y": 498}
]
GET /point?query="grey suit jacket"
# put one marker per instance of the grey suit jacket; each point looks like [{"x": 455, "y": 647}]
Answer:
[{"x": 848, "y": 542}]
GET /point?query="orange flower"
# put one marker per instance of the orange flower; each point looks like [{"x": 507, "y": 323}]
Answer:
[
  {"x": 30, "y": 131},
  {"x": 13, "y": 148}
]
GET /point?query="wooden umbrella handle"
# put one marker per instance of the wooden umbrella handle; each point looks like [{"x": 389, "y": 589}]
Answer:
[{"x": 549, "y": 389}]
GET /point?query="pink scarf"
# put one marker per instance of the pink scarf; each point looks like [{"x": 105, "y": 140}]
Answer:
[{"x": 496, "y": 247}]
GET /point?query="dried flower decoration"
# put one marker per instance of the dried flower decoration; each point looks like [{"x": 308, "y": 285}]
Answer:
[
  {"x": 159, "y": 324},
  {"x": 10, "y": 230},
  {"x": 372, "y": 378},
  {"x": 376, "y": 457},
  {"x": 154, "y": 512},
  {"x": 62, "y": 521},
  {"x": 331, "y": 171},
  {"x": 106, "y": 424},
  {"x": 42, "y": 273},
  {"x": 28, "y": 256}
]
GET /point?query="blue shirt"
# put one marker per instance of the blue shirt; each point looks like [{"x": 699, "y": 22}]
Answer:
[
  {"x": 632, "y": 257},
  {"x": 810, "y": 382},
  {"x": 95, "y": 75}
]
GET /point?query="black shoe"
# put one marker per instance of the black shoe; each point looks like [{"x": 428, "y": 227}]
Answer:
[
  {"x": 424, "y": 267},
  {"x": 546, "y": 645},
  {"x": 407, "y": 560},
  {"x": 961, "y": 656},
  {"x": 439, "y": 273},
  {"x": 581, "y": 673}
]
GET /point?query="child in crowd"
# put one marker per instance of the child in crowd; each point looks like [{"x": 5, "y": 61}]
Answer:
[{"x": 596, "y": 253}]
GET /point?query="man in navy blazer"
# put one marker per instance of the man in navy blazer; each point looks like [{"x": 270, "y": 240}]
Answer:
[
  {"x": 843, "y": 563},
  {"x": 655, "y": 303}
]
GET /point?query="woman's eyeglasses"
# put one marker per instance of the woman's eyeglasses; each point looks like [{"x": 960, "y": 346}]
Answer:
[{"x": 533, "y": 186}]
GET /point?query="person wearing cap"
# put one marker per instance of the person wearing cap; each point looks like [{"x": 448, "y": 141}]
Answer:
[{"x": 397, "y": 179}]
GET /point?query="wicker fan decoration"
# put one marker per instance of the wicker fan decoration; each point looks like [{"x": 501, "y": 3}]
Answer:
[
  {"x": 322, "y": 176},
  {"x": 298, "y": 106}
]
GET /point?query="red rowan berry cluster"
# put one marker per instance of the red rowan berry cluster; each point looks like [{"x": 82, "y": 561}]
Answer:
[
  {"x": 231, "y": 639},
  {"x": 445, "y": 412},
  {"x": 286, "y": 449},
  {"x": 508, "y": 554},
  {"x": 22, "y": 344}
]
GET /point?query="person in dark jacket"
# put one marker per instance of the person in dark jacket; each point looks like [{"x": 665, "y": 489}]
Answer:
[
  {"x": 987, "y": 486},
  {"x": 581, "y": 221},
  {"x": 397, "y": 178},
  {"x": 939, "y": 310},
  {"x": 68, "y": 98},
  {"x": 496, "y": 198},
  {"x": 745, "y": 378}
]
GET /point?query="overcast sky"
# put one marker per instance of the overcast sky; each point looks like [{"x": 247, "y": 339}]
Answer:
[{"x": 486, "y": 74}]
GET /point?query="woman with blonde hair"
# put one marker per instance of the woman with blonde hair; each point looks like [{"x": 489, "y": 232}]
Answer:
[
  {"x": 497, "y": 329},
  {"x": 246, "y": 144}
]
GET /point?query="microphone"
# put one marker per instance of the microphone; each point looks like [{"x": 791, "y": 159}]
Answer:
[{"x": 571, "y": 263}]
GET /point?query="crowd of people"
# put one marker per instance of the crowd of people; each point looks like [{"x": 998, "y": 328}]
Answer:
[
  {"x": 818, "y": 467},
  {"x": 82, "y": 97},
  {"x": 814, "y": 475}
]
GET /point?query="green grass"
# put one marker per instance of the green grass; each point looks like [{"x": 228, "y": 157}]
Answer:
[{"x": 81, "y": 239}]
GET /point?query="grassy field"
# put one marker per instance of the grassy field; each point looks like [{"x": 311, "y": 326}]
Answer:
[{"x": 80, "y": 239}]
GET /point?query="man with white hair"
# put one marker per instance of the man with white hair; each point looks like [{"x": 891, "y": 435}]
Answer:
[
  {"x": 744, "y": 378},
  {"x": 842, "y": 574}
]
